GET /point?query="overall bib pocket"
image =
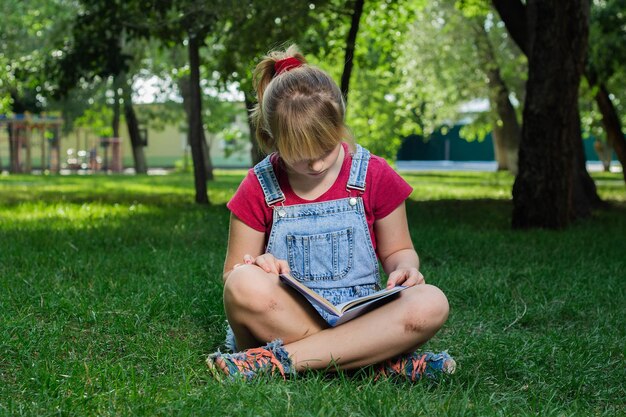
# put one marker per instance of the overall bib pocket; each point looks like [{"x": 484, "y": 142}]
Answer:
[{"x": 325, "y": 256}]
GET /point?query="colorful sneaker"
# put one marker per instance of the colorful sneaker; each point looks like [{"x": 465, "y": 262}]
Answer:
[
  {"x": 250, "y": 363},
  {"x": 416, "y": 365}
]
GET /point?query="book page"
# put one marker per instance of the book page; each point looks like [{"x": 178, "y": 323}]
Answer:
[
  {"x": 379, "y": 294},
  {"x": 310, "y": 295}
]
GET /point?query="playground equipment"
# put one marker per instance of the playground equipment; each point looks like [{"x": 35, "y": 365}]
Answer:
[
  {"x": 113, "y": 164},
  {"x": 34, "y": 142},
  {"x": 24, "y": 131},
  {"x": 109, "y": 159}
]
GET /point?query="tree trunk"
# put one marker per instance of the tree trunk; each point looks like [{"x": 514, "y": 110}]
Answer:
[
  {"x": 14, "y": 149},
  {"x": 506, "y": 127},
  {"x": 585, "y": 195},
  {"x": 507, "y": 123},
  {"x": 115, "y": 123},
  {"x": 255, "y": 152},
  {"x": 184, "y": 87},
  {"x": 499, "y": 150},
  {"x": 350, "y": 45},
  {"x": 544, "y": 192},
  {"x": 604, "y": 152},
  {"x": 513, "y": 14},
  {"x": 132, "y": 124},
  {"x": 612, "y": 125},
  {"x": 206, "y": 154},
  {"x": 561, "y": 45},
  {"x": 184, "y": 84},
  {"x": 195, "y": 121}
]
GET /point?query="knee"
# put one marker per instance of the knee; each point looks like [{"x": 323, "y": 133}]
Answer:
[
  {"x": 426, "y": 311},
  {"x": 249, "y": 288}
]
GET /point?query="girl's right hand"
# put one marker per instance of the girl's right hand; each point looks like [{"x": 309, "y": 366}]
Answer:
[{"x": 267, "y": 262}]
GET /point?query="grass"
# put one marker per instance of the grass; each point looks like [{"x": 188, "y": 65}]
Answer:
[{"x": 110, "y": 299}]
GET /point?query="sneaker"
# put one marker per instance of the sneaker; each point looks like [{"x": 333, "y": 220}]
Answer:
[
  {"x": 416, "y": 365},
  {"x": 250, "y": 363}
]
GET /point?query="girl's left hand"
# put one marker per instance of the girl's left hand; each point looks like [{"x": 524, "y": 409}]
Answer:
[{"x": 405, "y": 276}]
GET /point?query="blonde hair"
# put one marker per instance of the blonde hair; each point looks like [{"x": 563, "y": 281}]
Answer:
[{"x": 300, "y": 112}]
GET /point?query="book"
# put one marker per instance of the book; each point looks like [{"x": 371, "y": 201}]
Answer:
[{"x": 345, "y": 311}]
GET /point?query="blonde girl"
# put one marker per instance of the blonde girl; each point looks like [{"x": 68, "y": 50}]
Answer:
[{"x": 327, "y": 211}]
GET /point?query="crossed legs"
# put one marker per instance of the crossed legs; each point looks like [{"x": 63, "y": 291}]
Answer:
[{"x": 259, "y": 309}]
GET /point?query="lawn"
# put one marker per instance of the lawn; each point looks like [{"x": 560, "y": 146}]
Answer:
[{"x": 110, "y": 300}]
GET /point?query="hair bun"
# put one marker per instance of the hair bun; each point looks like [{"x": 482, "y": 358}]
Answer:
[{"x": 286, "y": 64}]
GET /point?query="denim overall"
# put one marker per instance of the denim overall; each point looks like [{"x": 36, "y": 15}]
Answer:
[{"x": 327, "y": 244}]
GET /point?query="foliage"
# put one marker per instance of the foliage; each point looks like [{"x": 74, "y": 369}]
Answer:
[
  {"x": 413, "y": 79},
  {"x": 95, "y": 50},
  {"x": 606, "y": 63},
  {"x": 97, "y": 120},
  {"x": 370, "y": 112},
  {"x": 110, "y": 300},
  {"x": 30, "y": 33},
  {"x": 168, "y": 67},
  {"x": 377, "y": 76},
  {"x": 416, "y": 62},
  {"x": 220, "y": 115},
  {"x": 607, "y": 38},
  {"x": 251, "y": 28},
  {"x": 439, "y": 70},
  {"x": 445, "y": 66}
]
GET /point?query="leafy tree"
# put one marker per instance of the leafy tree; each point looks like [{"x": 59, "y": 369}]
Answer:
[
  {"x": 29, "y": 33},
  {"x": 330, "y": 33},
  {"x": 190, "y": 23},
  {"x": 606, "y": 59},
  {"x": 250, "y": 28},
  {"x": 552, "y": 187},
  {"x": 101, "y": 49},
  {"x": 375, "y": 77},
  {"x": 454, "y": 54},
  {"x": 493, "y": 50}
]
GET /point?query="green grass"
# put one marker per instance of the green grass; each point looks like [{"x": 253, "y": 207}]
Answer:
[{"x": 110, "y": 299}]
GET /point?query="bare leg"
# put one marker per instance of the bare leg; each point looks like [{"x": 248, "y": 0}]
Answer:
[
  {"x": 396, "y": 327},
  {"x": 260, "y": 309}
]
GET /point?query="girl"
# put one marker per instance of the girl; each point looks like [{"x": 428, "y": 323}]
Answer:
[{"x": 322, "y": 209}]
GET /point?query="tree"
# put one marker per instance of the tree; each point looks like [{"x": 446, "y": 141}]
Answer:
[
  {"x": 376, "y": 73},
  {"x": 191, "y": 22},
  {"x": 455, "y": 54},
  {"x": 102, "y": 33},
  {"x": 552, "y": 187},
  {"x": 29, "y": 33},
  {"x": 355, "y": 21},
  {"x": 219, "y": 109},
  {"x": 506, "y": 131},
  {"x": 607, "y": 56},
  {"x": 251, "y": 28}
]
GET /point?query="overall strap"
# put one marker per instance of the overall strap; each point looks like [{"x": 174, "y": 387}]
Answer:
[
  {"x": 265, "y": 174},
  {"x": 358, "y": 169}
]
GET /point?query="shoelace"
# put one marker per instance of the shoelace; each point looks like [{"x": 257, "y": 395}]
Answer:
[
  {"x": 399, "y": 367},
  {"x": 257, "y": 358}
]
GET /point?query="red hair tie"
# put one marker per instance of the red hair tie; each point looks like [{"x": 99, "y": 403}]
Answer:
[{"x": 284, "y": 65}]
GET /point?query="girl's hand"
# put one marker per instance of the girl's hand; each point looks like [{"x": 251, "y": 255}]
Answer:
[
  {"x": 405, "y": 276},
  {"x": 266, "y": 262}
]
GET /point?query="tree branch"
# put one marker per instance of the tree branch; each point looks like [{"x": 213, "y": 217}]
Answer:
[{"x": 513, "y": 14}]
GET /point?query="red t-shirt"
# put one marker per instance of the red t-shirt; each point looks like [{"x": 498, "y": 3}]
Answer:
[{"x": 385, "y": 190}]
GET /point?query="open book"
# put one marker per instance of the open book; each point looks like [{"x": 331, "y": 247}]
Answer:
[{"x": 345, "y": 311}]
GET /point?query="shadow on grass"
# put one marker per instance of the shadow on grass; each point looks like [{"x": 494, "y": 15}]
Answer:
[
  {"x": 132, "y": 295},
  {"x": 478, "y": 214}
]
